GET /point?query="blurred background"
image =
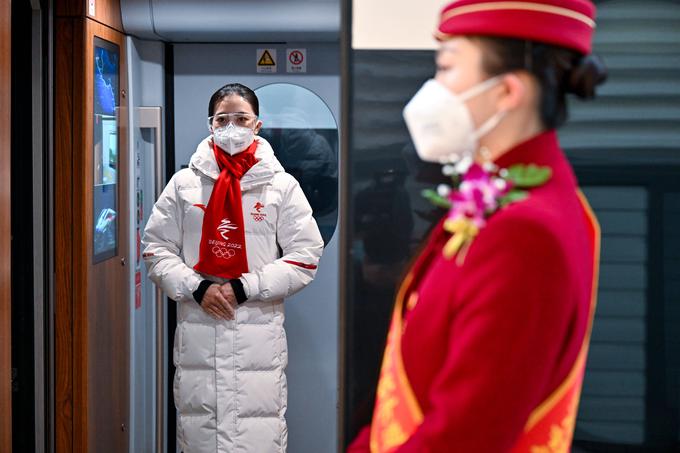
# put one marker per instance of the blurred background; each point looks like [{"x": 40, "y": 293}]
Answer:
[{"x": 101, "y": 101}]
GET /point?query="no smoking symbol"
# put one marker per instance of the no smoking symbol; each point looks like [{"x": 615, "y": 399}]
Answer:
[{"x": 296, "y": 57}]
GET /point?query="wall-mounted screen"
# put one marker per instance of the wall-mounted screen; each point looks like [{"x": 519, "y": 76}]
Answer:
[{"x": 106, "y": 67}]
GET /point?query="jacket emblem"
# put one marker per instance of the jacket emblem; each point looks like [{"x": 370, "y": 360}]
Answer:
[{"x": 257, "y": 214}]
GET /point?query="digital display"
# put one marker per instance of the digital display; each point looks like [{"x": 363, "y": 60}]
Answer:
[{"x": 106, "y": 102}]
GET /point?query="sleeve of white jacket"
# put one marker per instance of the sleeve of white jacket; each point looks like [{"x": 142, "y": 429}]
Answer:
[
  {"x": 301, "y": 244},
  {"x": 163, "y": 248}
]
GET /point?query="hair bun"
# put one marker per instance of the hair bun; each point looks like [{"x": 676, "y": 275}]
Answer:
[{"x": 588, "y": 72}]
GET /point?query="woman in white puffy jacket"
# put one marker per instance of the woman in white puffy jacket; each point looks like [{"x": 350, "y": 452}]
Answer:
[{"x": 229, "y": 238}]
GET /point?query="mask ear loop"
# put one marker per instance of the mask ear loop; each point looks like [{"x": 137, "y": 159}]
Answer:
[
  {"x": 489, "y": 124},
  {"x": 479, "y": 89}
]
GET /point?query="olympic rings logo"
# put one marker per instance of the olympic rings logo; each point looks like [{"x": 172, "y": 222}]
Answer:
[{"x": 223, "y": 252}]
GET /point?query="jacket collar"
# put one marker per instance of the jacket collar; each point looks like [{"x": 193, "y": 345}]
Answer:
[
  {"x": 204, "y": 162},
  {"x": 543, "y": 150}
]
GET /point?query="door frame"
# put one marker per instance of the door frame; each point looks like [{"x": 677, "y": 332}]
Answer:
[
  {"x": 5, "y": 228},
  {"x": 82, "y": 337}
]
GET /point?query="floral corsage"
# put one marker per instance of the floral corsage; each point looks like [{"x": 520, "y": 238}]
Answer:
[{"x": 479, "y": 191}]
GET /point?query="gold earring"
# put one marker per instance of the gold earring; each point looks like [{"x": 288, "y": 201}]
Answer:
[{"x": 485, "y": 153}]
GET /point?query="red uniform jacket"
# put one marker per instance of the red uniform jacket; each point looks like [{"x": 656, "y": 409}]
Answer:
[{"x": 489, "y": 340}]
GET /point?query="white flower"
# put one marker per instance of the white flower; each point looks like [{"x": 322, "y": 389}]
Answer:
[
  {"x": 443, "y": 190},
  {"x": 463, "y": 165},
  {"x": 489, "y": 167},
  {"x": 449, "y": 170},
  {"x": 500, "y": 184}
]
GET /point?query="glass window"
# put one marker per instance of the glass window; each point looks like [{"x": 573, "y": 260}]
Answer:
[{"x": 304, "y": 134}]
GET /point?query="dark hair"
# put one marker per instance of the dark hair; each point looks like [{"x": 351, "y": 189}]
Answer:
[
  {"x": 558, "y": 71},
  {"x": 237, "y": 89}
]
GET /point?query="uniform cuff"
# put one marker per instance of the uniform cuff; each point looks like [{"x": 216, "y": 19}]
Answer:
[
  {"x": 200, "y": 291},
  {"x": 239, "y": 291}
]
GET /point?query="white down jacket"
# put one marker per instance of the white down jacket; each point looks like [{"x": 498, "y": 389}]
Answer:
[{"x": 230, "y": 387}]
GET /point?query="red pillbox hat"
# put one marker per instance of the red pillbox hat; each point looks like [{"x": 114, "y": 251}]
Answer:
[{"x": 566, "y": 23}]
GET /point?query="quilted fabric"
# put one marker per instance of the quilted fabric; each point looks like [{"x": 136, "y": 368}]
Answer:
[{"x": 230, "y": 383}]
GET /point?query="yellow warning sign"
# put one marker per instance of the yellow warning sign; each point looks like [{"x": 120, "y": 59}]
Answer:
[{"x": 266, "y": 59}]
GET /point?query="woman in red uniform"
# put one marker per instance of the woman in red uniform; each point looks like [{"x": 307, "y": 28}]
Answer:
[{"x": 486, "y": 350}]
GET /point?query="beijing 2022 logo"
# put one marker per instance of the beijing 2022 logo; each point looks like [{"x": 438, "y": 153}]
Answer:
[{"x": 224, "y": 227}]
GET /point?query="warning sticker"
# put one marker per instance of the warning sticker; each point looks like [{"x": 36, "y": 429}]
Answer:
[
  {"x": 266, "y": 60},
  {"x": 296, "y": 60}
]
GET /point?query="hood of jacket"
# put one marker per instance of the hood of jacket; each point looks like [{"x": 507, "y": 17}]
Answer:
[{"x": 203, "y": 160}]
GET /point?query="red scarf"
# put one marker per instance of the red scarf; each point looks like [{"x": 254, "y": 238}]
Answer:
[{"x": 223, "y": 239}]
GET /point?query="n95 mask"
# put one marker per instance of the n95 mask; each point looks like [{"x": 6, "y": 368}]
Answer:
[
  {"x": 233, "y": 139},
  {"x": 441, "y": 125}
]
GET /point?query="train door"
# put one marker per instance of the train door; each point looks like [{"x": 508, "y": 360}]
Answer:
[{"x": 298, "y": 87}]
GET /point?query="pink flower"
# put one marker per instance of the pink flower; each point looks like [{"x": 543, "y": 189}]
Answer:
[
  {"x": 478, "y": 192},
  {"x": 477, "y": 196}
]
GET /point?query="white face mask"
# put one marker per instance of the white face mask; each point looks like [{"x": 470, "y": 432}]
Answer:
[
  {"x": 440, "y": 123},
  {"x": 233, "y": 139}
]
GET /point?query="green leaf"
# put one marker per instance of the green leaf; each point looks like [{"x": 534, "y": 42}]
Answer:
[
  {"x": 527, "y": 176},
  {"x": 512, "y": 197},
  {"x": 436, "y": 199}
]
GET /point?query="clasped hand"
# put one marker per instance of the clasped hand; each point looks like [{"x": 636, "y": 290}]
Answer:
[{"x": 219, "y": 301}]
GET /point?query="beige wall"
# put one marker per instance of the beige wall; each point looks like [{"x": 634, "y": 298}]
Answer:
[{"x": 395, "y": 24}]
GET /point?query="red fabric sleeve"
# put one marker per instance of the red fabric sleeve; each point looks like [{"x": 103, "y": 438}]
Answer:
[
  {"x": 362, "y": 443},
  {"x": 511, "y": 315}
]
